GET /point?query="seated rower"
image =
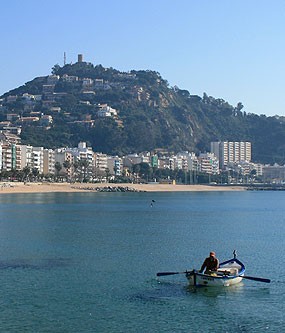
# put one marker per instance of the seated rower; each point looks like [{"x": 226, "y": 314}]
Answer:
[{"x": 211, "y": 264}]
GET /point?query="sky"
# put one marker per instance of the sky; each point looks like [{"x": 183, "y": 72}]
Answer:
[{"x": 234, "y": 50}]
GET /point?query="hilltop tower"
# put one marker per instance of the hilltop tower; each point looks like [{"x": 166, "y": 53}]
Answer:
[{"x": 80, "y": 58}]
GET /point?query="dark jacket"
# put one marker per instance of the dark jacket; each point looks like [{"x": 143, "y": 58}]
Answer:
[{"x": 210, "y": 264}]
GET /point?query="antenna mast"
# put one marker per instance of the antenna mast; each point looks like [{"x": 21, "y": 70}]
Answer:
[{"x": 64, "y": 58}]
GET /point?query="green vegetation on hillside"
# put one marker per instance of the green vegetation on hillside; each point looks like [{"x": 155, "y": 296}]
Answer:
[{"x": 150, "y": 114}]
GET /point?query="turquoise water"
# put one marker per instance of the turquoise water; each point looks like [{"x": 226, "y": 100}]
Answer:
[{"x": 87, "y": 262}]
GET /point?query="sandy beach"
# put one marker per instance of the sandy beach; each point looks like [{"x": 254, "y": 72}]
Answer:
[{"x": 17, "y": 187}]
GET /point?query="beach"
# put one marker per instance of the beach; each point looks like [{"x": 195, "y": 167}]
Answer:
[{"x": 38, "y": 187}]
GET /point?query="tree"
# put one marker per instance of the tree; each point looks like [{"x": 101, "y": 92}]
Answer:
[
  {"x": 67, "y": 165},
  {"x": 83, "y": 165},
  {"x": 239, "y": 106},
  {"x": 144, "y": 169},
  {"x": 116, "y": 168},
  {"x": 136, "y": 168},
  {"x": 26, "y": 172},
  {"x": 55, "y": 69},
  {"x": 108, "y": 174},
  {"x": 75, "y": 167},
  {"x": 35, "y": 173},
  {"x": 57, "y": 167}
]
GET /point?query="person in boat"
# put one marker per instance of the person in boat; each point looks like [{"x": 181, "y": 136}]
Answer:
[{"x": 211, "y": 264}]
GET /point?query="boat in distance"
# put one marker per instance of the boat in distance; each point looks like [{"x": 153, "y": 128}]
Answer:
[{"x": 230, "y": 272}]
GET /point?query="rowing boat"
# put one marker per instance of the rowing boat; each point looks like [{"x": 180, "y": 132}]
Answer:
[{"x": 230, "y": 272}]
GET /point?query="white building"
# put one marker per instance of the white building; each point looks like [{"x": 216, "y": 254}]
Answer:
[
  {"x": 259, "y": 169},
  {"x": 85, "y": 153},
  {"x": 106, "y": 111},
  {"x": 189, "y": 160},
  {"x": 208, "y": 163},
  {"x": 26, "y": 156},
  {"x": 231, "y": 152},
  {"x": 38, "y": 159},
  {"x": 81, "y": 153},
  {"x": 7, "y": 157},
  {"x": 87, "y": 82},
  {"x": 69, "y": 78}
]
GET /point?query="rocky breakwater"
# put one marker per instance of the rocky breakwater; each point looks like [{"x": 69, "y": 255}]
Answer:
[{"x": 108, "y": 189}]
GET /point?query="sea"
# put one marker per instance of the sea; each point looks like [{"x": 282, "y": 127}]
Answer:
[{"x": 87, "y": 262}]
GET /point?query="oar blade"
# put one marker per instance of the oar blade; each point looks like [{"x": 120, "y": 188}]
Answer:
[
  {"x": 166, "y": 273},
  {"x": 256, "y": 279}
]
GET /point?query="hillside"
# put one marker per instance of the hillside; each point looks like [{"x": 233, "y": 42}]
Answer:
[{"x": 118, "y": 112}]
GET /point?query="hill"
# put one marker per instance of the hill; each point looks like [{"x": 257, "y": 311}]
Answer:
[{"x": 121, "y": 112}]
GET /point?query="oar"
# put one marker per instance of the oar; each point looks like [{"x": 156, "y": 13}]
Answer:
[
  {"x": 171, "y": 273},
  {"x": 256, "y": 279}
]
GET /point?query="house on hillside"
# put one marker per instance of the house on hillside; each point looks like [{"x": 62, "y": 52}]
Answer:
[{"x": 106, "y": 111}]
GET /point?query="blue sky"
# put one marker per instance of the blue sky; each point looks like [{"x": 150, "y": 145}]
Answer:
[{"x": 234, "y": 50}]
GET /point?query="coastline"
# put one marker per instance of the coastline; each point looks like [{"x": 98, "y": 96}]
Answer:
[{"x": 18, "y": 187}]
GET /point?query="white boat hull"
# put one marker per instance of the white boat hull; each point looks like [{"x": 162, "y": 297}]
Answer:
[{"x": 229, "y": 273}]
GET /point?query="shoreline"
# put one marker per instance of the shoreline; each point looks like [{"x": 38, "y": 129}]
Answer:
[{"x": 18, "y": 187}]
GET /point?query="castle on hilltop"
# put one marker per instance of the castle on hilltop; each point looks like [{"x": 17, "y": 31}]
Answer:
[{"x": 79, "y": 59}]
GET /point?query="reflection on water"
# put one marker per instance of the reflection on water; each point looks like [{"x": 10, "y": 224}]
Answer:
[
  {"x": 215, "y": 291},
  {"x": 170, "y": 291},
  {"x": 159, "y": 291},
  {"x": 47, "y": 263}
]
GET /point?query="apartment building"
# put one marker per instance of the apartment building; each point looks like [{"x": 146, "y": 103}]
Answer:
[
  {"x": 92, "y": 165},
  {"x": 100, "y": 166},
  {"x": 208, "y": 163},
  {"x": 154, "y": 161},
  {"x": 76, "y": 155},
  {"x": 8, "y": 157},
  {"x": 100, "y": 161},
  {"x": 189, "y": 161},
  {"x": 274, "y": 173},
  {"x": 26, "y": 156},
  {"x": 48, "y": 161},
  {"x": 17, "y": 157},
  {"x": 61, "y": 155},
  {"x": 38, "y": 159},
  {"x": 115, "y": 165},
  {"x": 231, "y": 152}
]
